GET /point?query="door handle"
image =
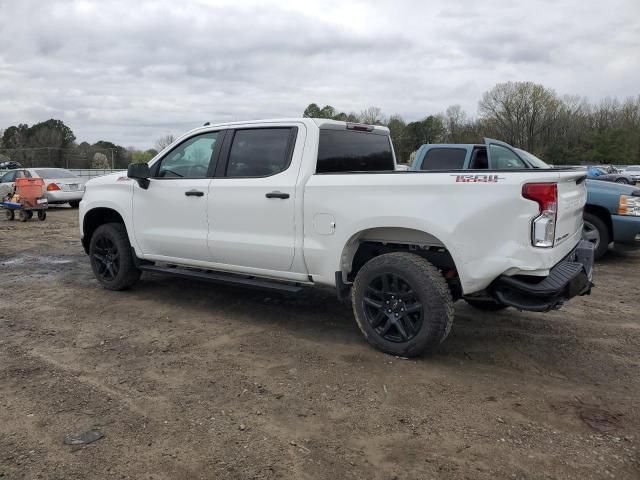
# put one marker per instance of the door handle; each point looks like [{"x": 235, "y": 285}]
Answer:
[
  {"x": 277, "y": 195},
  {"x": 194, "y": 193}
]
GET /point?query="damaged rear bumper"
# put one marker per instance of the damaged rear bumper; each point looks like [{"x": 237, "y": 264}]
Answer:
[{"x": 569, "y": 278}]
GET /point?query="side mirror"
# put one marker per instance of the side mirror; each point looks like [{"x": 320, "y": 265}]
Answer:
[{"x": 139, "y": 172}]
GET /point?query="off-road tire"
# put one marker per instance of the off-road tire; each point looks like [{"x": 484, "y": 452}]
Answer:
[
  {"x": 127, "y": 273},
  {"x": 603, "y": 230},
  {"x": 430, "y": 289}
]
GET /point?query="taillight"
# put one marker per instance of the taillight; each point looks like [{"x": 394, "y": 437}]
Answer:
[
  {"x": 52, "y": 187},
  {"x": 543, "y": 229}
]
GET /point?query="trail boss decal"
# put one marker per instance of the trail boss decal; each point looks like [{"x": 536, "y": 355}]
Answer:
[{"x": 477, "y": 178}]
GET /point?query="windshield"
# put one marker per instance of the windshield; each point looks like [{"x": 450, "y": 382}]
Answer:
[
  {"x": 532, "y": 159},
  {"x": 49, "y": 173}
]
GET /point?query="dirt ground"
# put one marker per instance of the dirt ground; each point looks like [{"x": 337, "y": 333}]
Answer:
[{"x": 189, "y": 380}]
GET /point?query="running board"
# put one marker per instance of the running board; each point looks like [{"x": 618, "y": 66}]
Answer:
[{"x": 228, "y": 278}]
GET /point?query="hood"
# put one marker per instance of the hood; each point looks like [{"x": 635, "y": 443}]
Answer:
[
  {"x": 109, "y": 178},
  {"x": 611, "y": 187}
]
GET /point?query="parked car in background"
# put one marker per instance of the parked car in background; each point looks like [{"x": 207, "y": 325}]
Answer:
[
  {"x": 612, "y": 215},
  {"x": 633, "y": 171},
  {"x": 609, "y": 175},
  {"x": 62, "y": 186},
  {"x": 10, "y": 165},
  {"x": 612, "y": 212}
]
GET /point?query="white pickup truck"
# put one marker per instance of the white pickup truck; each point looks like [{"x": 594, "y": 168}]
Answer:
[{"x": 285, "y": 204}]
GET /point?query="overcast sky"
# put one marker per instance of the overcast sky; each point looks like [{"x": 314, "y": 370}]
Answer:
[{"x": 131, "y": 71}]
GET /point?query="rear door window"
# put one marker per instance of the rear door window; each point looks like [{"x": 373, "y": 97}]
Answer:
[
  {"x": 444, "y": 159},
  {"x": 54, "y": 173},
  {"x": 260, "y": 152},
  {"x": 353, "y": 151}
]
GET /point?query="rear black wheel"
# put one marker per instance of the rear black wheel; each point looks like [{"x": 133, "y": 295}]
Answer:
[
  {"x": 112, "y": 257},
  {"x": 22, "y": 216},
  {"x": 9, "y": 215},
  {"x": 622, "y": 180},
  {"x": 402, "y": 304}
]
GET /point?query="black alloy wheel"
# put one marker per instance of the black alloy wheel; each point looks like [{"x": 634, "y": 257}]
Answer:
[
  {"x": 392, "y": 308},
  {"x": 107, "y": 258}
]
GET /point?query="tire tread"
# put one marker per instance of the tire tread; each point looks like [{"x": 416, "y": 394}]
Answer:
[
  {"x": 440, "y": 305},
  {"x": 129, "y": 274}
]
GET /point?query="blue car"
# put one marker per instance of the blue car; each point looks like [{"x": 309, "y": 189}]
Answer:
[{"x": 612, "y": 213}]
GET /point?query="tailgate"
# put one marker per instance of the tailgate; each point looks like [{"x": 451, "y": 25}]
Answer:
[{"x": 572, "y": 197}]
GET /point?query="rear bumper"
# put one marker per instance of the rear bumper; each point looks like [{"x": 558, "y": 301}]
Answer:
[{"x": 569, "y": 278}]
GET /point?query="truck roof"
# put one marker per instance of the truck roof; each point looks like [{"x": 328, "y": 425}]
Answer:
[{"x": 319, "y": 122}]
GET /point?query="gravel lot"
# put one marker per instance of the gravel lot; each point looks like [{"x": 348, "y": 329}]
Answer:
[{"x": 191, "y": 380}]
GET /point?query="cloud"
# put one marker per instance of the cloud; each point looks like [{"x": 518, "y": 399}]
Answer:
[{"x": 132, "y": 71}]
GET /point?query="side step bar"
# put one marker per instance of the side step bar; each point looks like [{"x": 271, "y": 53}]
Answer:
[{"x": 228, "y": 278}]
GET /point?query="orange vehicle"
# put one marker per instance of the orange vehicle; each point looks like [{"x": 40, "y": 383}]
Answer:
[{"x": 28, "y": 198}]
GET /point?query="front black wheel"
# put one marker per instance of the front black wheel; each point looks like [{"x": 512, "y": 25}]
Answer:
[
  {"x": 9, "y": 215},
  {"x": 74, "y": 204},
  {"x": 402, "y": 304},
  {"x": 622, "y": 180},
  {"x": 112, "y": 258},
  {"x": 42, "y": 215}
]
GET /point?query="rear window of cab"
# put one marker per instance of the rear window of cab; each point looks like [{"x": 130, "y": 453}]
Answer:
[{"x": 353, "y": 151}]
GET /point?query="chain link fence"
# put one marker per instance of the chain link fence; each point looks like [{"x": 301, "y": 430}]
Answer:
[{"x": 69, "y": 158}]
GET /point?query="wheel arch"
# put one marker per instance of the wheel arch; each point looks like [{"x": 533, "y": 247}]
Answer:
[
  {"x": 603, "y": 214},
  {"x": 372, "y": 242},
  {"x": 94, "y": 218}
]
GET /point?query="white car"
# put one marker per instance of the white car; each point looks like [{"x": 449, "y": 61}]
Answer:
[
  {"x": 634, "y": 172},
  {"x": 61, "y": 186},
  {"x": 288, "y": 204}
]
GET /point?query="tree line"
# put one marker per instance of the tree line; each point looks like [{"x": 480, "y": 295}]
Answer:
[
  {"x": 562, "y": 130},
  {"x": 53, "y": 144}
]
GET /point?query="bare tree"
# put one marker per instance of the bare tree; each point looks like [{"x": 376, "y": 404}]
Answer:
[
  {"x": 521, "y": 112},
  {"x": 100, "y": 160},
  {"x": 373, "y": 116},
  {"x": 164, "y": 141}
]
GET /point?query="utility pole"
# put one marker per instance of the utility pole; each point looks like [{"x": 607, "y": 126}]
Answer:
[{"x": 113, "y": 165}]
